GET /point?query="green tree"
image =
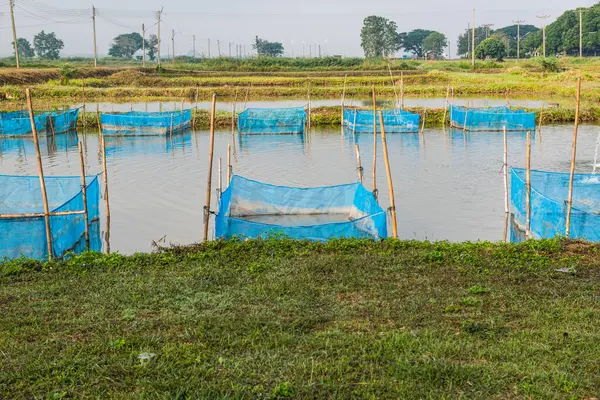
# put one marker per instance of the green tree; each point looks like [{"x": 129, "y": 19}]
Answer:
[
  {"x": 491, "y": 48},
  {"x": 152, "y": 47},
  {"x": 379, "y": 37},
  {"x": 126, "y": 45},
  {"x": 265, "y": 48},
  {"x": 413, "y": 41},
  {"x": 511, "y": 32},
  {"x": 47, "y": 45},
  {"x": 25, "y": 49},
  {"x": 434, "y": 44},
  {"x": 531, "y": 44},
  {"x": 464, "y": 40}
]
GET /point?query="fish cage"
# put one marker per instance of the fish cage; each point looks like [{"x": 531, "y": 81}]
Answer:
[
  {"x": 17, "y": 123},
  {"x": 251, "y": 209},
  {"x": 290, "y": 120},
  {"x": 137, "y": 123},
  {"x": 395, "y": 121},
  {"x": 549, "y": 196},
  {"x": 22, "y": 218},
  {"x": 491, "y": 119}
]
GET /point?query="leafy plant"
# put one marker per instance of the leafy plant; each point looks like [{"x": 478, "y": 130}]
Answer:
[
  {"x": 66, "y": 73},
  {"x": 549, "y": 64}
]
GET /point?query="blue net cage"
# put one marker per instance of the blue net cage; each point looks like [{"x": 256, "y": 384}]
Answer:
[
  {"x": 395, "y": 121},
  {"x": 272, "y": 120},
  {"x": 17, "y": 123},
  {"x": 252, "y": 209},
  {"x": 26, "y": 235},
  {"x": 136, "y": 123},
  {"x": 549, "y": 195},
  {"x": 491, "y": 119}
]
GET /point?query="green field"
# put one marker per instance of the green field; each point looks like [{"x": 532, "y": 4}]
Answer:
[{"x": 279, "y": 318}]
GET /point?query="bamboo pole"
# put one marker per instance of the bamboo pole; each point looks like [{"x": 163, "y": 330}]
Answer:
[
  {"x": 246, "y": 100},
  {"x": 220, "y": 187},
  {"x": 393, "y": 85},
  {"x": 389, "y": 177},
  {"x": 466, "y": 116},
  {"x": 506, "y": 94},
  {"x": 50, "y": 121},
  {"x": 84, "y": 195},
  {"x": 229, "y": 166},
  {"x": 402, "y": 90},
  {"x": 343, "y": 98},
  {"x": 374, "y": 143},
  {"x": 37, "y": 215},
  {"x": 358, "y": 163},
  {"x": 83, "y": 98},
  {"x": 528, "y": 187},
  {"x": 233, "y": 116},
  {"x": 505, "y": 168},
  {"x": 354, "y": 122},
  {"x": 446, "y": 106},
  {"x": 171, "y": 127},
  {"x": 210, "y": 165},
  {"x": 540, "y": 124},
  {"x": 423, "y": 122},
  {"x": 573, "y": 156},
  {"x": 309, "y": 108},
  {"x": 104, "y": 170},
  {"x": 40, "y": 168}
]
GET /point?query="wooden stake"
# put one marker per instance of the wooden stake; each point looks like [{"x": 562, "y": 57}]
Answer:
[
  {"x": 343, "y": 98},
  {"x": 246, "y": 100},
  {"x": 354, "y": 122},
  {"x": 105, "y": 170},
  {"x": 309, "y": 108},
  {"x": 229, "y": 166},
  {"x": 446, "y": 106},
  {"x": 573, "y": 156},
  {"x": 83, "y": 98},
  {"x": 466, "y": 116},
  {"x": 423, "y": 122},
  {"x": 506, "y": 94},
  {"x": 358, "y": 163},
  {"x": 505, "y": 168},
  {"x": 393, "y": 85},
  {"x": 40, "y": 168},
  {"x": 389, "y": 176},
  {"x": 528, "y": 187},
  {"x": 220, "y": 187},
  {"x": 171, "y": 127},
  {"x": 210, "y": 165},
  {"x": 84, "y": 195},
  {"x": 374, "y": 143},
  {"x": 50, "y": 122},
  {"x": 540, "y": 124},
  {"x": 402, "y": 90},
  {"x": 233, "y": 116}
]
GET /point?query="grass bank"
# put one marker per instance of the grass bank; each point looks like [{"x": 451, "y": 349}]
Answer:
[{"x": 280, "y": 318}]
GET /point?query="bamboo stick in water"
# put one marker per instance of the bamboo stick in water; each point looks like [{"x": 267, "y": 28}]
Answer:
[
  {"x": 573, "y": 156},
  {"x": 423, "y": 122},
  {"x": 466, "y": 116},
  {"x": 505, "y": 168},
  {"x": 389, "y": 177},
  {"x": 393, "y": 85},
  {"x": 540, "y": 124},
  {"x": 309, "y": 108},
  {"x": 229, "y": 166},
  {"x": 220, "y": 187},
  {"x": 374, "y": 143},
  {"x": 40, "y": 168},
  {"x": 84, "y": 195},
  {"x": 359, "y": 165},
  {"x": 446, "y": 106},
  {"x": 210, "y": 165},
  {"x": 401, "y": 90},
  {"x": 343, "y": 98},
  {"x": 528, "y": 187}
]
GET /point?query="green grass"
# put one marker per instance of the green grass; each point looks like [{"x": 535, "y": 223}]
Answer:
[{"x": 279, "y": 318}]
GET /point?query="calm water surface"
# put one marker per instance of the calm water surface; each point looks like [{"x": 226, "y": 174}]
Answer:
[{"x": 448, "y": 185}]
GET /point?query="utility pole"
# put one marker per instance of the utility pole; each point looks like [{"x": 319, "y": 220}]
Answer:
[
  {"x": 173, "y": 45},
  {"x": 543, "y": 18},
  {"x": 468, "y": 34},
  {"x": 94, "y": 26},
  {"x": 518, "y": 22},
  {"x": 581, "y": 11},
  {"x": 158, "y": 49},
  {"x": 209, "y": 48},
  {"x": 319, "y": 51},
  {"x": 487, "y": 29},
  {"x": 143, "y": 45},
  {"x": 229, "y": 49},
  {"x": 219, "y": 47},
  {"x": 473, "y": 40},
  {"x": 194, "y": 46},
  {"x": 14, "y": 29}
]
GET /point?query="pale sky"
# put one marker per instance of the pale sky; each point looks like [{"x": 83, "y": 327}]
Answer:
[{"x": 334, "y": 24}]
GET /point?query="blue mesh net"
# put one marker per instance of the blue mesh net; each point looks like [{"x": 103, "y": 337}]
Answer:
[
  {"x": 491, "y": 119},
  {"x": 17, "y": 123},
  {"x": 136, "y": 123},
  {"x": 395, "y": 121},
  {"x": 272, "y": 120},
  {"x": 64, "y": 121},
  {"x": 27, "y": 236},
  {"x": 253, "y": 209},
  {"x": 549, "y": 195}
]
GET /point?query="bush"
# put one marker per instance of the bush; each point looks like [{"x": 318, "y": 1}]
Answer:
[
  {"x": 66, "y": 73},
  {"x": 549, "y": 64},
  {"x": 490, "y": 48}
]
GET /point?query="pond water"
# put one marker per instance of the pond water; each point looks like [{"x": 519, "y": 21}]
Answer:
[{"x": 448, "y": 185}]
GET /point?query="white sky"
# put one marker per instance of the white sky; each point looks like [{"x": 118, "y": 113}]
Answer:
[{"x": 334, "y": 24}]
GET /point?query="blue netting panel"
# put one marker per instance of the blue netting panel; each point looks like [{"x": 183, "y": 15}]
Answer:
[
  {"x": 17, "y": 123},
  {"x": 395, "y": 121},
  {"x": 491, "y": 119},
  {"x": 272, "y": 120},
  {"x": 360, "y": 214},
  {"x": 27, "y": 236},
  {"x": 136, "y": 123},
  {"x": 549, "y": 193},
  {"x": 64, "y": 121}
]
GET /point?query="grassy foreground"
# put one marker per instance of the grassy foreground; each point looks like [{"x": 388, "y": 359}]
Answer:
[{"x": 280, "y": 318}]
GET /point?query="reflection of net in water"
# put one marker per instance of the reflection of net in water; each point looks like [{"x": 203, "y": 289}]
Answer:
[
  {"x": 549, "y": 195},
  {"x": 491, "y": 119},
  {"x": 254, "y": 209}
]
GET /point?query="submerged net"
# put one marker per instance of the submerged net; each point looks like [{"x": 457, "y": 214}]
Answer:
[
  {"x": 17, "y": 123},
  {"x": 27, "y": 236},
  {"x": 272, "y": 120},
  {"x": 549, "y": 195},
  {"x": 491, "y": 119},
  {"x": 395, "y": 121},
  {"x": 136, "y": 123},
  {"x": 253, "y": 209}
]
